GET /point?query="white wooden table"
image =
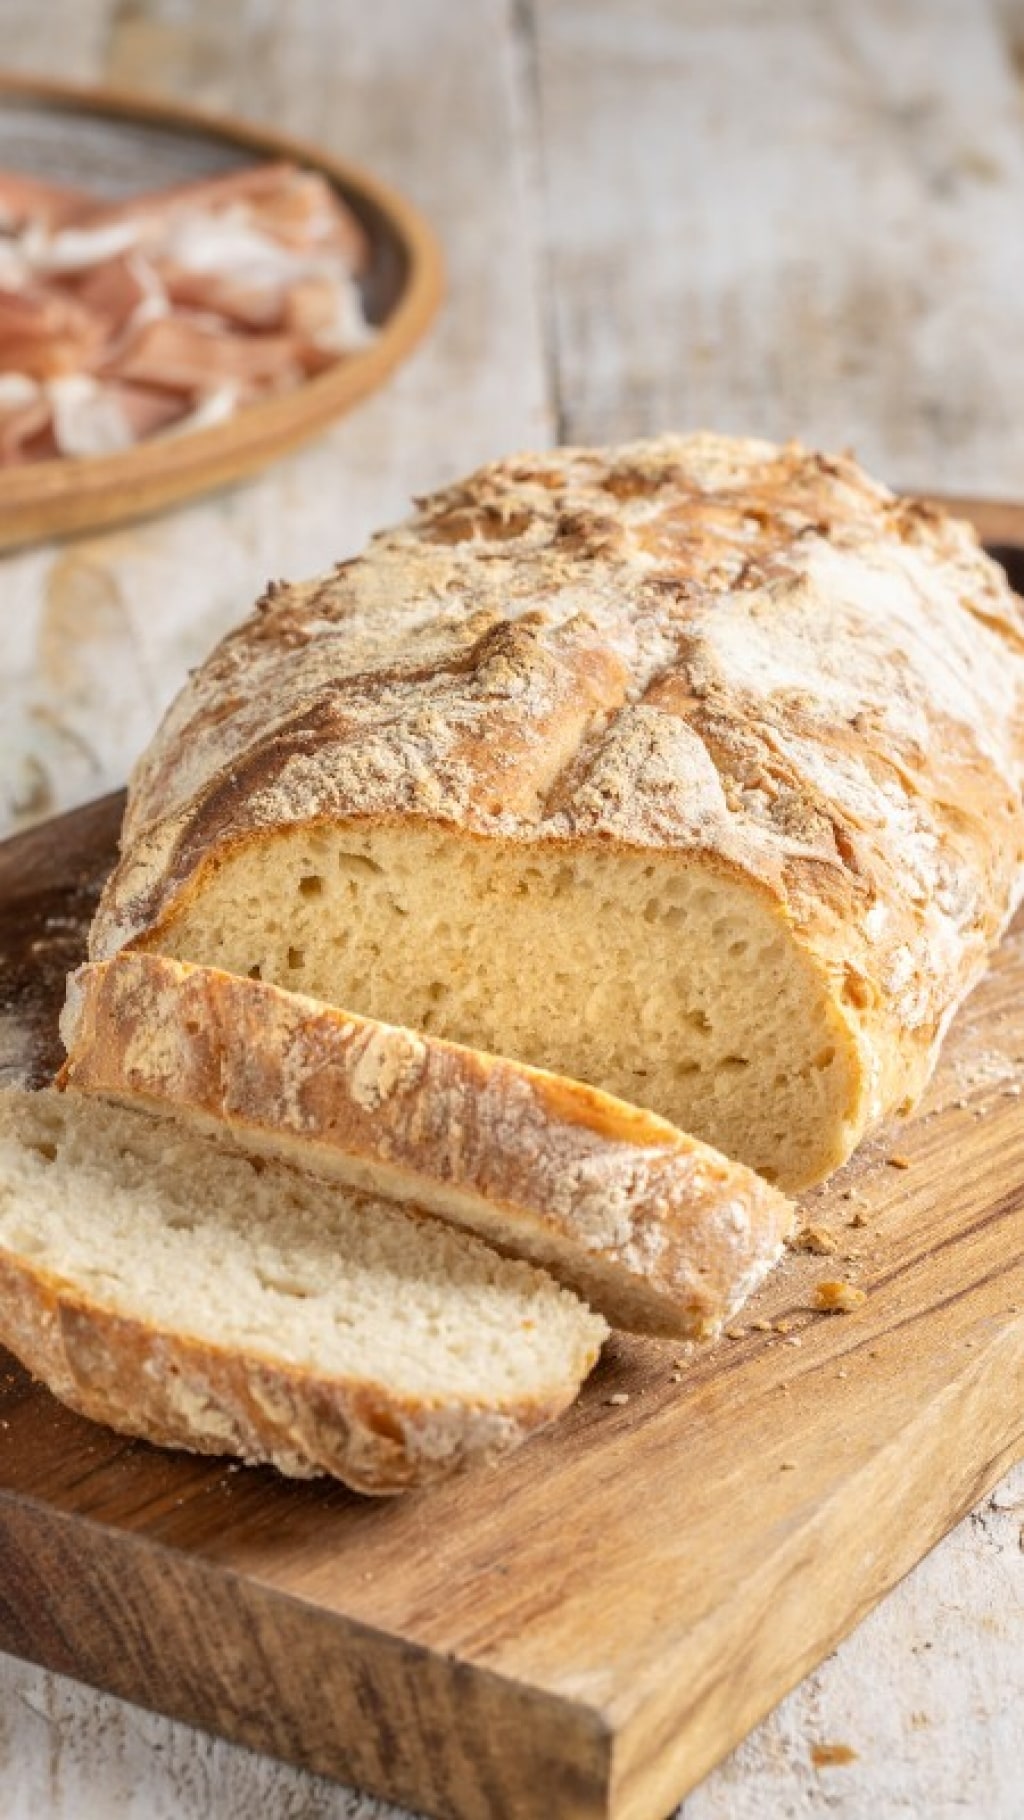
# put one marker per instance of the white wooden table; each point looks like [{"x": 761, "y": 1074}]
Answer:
[{"x": 777, "y": 216}]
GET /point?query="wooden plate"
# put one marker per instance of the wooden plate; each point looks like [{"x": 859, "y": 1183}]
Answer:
[{"x": 116, "y": 144}]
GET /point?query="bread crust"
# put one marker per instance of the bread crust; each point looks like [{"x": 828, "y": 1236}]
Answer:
[
  {"x": 176, "y": 1391},
  {"x": 655, "y": 1229},
  {"x": 747, "y": 658}
]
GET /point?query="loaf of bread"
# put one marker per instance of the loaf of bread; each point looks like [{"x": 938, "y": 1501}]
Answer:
[
  {"x": 690, "y": 769},
  {"x": 156, "y": 1281},
  {"x": 652, "y": 1228}
]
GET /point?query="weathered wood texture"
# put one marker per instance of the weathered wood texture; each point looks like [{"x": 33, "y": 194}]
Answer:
[
  {"x": 575, "y": 1633},
  {"x": 892, "y": 167},
  {"x": 780, "y": 219}
]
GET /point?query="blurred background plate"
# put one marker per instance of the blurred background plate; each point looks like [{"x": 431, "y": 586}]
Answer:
[{"x": 116, "y": 144}]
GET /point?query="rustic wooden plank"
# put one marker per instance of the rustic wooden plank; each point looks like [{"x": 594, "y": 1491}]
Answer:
[
  {"x": 579, "y": 1632},
  {"x": 780, "y": 220},
  {"x": 36, "y": 38}
]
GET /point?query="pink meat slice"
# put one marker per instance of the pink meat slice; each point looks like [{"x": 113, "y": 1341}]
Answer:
[
  {"x": 306, "y": 212},
  {"x": 26, "y": 199},
  {"x": 299, "y": 208},
  {"x": 44, "y": 332},
  {"x": 148, "y": 409},
  {"x": 115, "y": 289},
  {"x": 242, "y": 302},
  {"x": 183, "y": 355},
  {"x": 19, "y": 424}
]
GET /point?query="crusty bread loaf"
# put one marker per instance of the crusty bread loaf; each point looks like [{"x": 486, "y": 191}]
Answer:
[
  {"x": 656, "y": 1230},
  {"x": 690, "y": 769},
  {"x": 159, "y": 1283}
]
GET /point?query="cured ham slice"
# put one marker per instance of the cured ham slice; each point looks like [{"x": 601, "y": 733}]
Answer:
[
  {"x": 43, "y": 333},
  {"x": 164, "y": 313},
  {"x": 25, "y": 200},
  {"x": 185, "y": 355}
]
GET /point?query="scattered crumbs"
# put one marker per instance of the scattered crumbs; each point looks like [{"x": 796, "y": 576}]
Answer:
[
  {"x": 919, "y": 1721},
  {"x": 859, "y": 1219},
  {"x": 782, "y": 1325},
  {"x": 787, "y": 1465},
  {"x": 792, "y": 1339},
  {"x": 1014, "y": 1308},
  {"x": 837, "y": 1297},
  {"x": 898, "y": 1160},
  {"x": 734, "y": 1333},
  {"x": 848, "y": 1194},
  {"x": 618, "y": 1398},
  {"x": 677, "y": 1377},
  {"x": 842, "y": 1374},
  {"x": 763, "y": 1326},
  {"x": 1011, "y": 1093},
  {"x": 784, "y": 1389},
  {"x": 816, "y": 1239},
  {"x": 824, "y": 1756},
  {"x": 960, "y": 1105}
]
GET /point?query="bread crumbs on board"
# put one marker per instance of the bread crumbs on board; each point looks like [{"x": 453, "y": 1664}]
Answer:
[
  {"x": 837, "y": 1297},
  {"x": 824, "y": 1756},
  {"x": 816, "y": 1239}
]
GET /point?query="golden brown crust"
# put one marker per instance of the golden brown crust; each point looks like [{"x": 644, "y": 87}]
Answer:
[
  {"x": 750, "y": 658},
  {"x": 177, "y": 1391},
  {"x": 679, "y": 1235}
]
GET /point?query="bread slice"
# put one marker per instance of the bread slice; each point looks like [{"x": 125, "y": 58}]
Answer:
[
  {"x": 656, "y": 1230},
  {"x": 690, "y": 768},
  {"x": 161, "y": 1283}
]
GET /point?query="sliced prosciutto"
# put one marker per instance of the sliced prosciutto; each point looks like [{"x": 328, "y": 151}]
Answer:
[{"x": 167, "y": 312}]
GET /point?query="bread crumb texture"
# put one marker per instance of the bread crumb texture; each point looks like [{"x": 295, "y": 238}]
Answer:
[{"x": 175, "y": 1289}]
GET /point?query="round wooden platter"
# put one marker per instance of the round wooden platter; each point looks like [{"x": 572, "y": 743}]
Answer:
[{"x": 117, "y": 144}]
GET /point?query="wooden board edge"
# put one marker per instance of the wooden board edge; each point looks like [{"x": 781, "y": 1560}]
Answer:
[
  {"x": 997, "y": 521},
  {"x": 660, "y": 1752},
  {"x": 64, "y": 497},
  {"x": 264, "y": 1669}
]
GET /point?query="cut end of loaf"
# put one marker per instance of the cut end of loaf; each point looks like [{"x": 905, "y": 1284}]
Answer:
[
  {"x": 657, "y": 1231},
  {"x": 634, "y": 971},
  {"x": 179, "y": 1291}
]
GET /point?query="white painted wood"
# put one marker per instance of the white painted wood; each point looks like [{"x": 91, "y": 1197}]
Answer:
[
  {"x": 778, "y": 218},
  {"x": 763, "y": 213}
]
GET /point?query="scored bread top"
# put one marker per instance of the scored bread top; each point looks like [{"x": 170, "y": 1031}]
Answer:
[
  {"x": 749, "y": 655},
  {"x": 658, "y": 1231}
]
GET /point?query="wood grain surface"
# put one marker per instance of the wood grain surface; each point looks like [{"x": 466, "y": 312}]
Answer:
[
  {"x": 574, "y": 1633},
  {"x": 899, "y": 174}
]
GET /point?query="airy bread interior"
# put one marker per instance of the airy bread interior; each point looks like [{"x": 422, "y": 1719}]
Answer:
[
  {"x": 150, "y": 1223},
  {"x": 656, "y": 980}
]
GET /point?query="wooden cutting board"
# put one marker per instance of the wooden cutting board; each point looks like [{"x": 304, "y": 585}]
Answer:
[{"x": 586, "y": 1629}]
